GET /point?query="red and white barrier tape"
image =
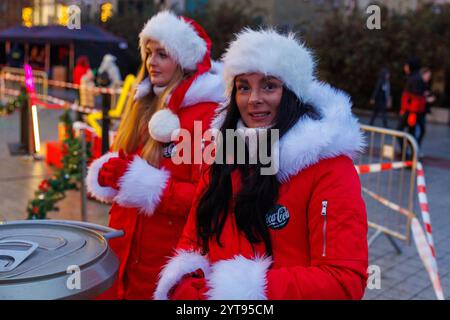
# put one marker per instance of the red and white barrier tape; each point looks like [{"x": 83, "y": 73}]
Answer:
[
  {"x": 427, "y": 257},
  {"x": 424, "y": 209},
  {"x": 423, "y": 202},
  {"x": 76, "y": 107},
  {"x": 378, "y": 167},
  {"x": 57, "y": 103},
  {"x": 11, "y": 92},
  {"x": 424, "y": 241},
  {"x": 388, "y": 203},
  {"x": 62, "y": 84}
]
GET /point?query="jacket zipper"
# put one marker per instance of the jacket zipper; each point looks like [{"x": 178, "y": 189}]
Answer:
[{"x": 324, "y": 230}]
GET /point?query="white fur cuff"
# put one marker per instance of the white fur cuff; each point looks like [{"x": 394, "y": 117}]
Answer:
[
  {"x": 142, "y": 186},
  {"x": 239, "y": 279},
  {"x": 104, "y": 194},
  {"x": 182, "y": 263}
]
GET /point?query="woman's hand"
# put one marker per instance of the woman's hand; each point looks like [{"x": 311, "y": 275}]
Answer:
[
  {"x": 113, "y": 169},
  {"x": 191, "y": 287}
]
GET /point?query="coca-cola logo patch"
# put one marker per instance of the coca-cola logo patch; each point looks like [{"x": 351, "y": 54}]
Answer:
[{"x": 277, "y": 217}]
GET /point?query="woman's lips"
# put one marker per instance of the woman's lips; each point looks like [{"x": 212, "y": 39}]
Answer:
[{"x": 259, "y": 116}]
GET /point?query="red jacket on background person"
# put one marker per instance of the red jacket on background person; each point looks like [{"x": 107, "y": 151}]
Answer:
[
  {"x": 318, "y": 227},
  {"x": 80, "y": 69},
  {"x": 412, "y": 103},
  {"x": 151, "y": 204},
  {"x": 413, "y": 99}
]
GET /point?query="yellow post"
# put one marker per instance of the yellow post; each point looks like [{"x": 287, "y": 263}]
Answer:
[{"x": 93, "y": 118}]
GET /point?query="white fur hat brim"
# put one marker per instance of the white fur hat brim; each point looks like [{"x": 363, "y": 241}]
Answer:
[
  {"x": 270, "y": 53},
  {"x": 177, "y": 36}
]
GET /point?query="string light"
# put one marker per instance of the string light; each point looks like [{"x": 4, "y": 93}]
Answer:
[{"x": 106, "y": 12}]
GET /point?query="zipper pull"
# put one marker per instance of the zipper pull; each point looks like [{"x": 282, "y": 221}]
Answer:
[
  {"x": 324, "y": 208},
  {"x": 324, "y": 230}
]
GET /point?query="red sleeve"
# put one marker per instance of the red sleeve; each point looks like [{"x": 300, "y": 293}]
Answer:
[
  {"x": 188, "y": 240},
  {"x": 338, "y": 243},
  {"x": 178, "y": 195}
]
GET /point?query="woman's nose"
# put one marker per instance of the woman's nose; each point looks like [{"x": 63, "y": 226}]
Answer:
[
  {"x": 151, "y": 61},
  {"x": 255, "y": 97}
]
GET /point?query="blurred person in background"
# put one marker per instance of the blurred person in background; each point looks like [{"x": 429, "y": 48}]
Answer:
[
  {"x": 429, "y": 100},
  {"x": 82, "y": 66},
  {"x": 381, "y": 97},
  {"x": 413, "y": 98},
  {"x": 109, "y": 70}
]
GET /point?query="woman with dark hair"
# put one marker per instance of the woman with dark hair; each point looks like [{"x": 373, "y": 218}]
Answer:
[{"x": 297, "y": 232}]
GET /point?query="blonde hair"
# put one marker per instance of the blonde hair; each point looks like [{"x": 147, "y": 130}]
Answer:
[{"x": 133, "y": 129}]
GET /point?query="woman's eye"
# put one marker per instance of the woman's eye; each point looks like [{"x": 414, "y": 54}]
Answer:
[
  {"x": 242, "y": 88},
  {"x": 270, "y": 86},
  {"x": 163, "y": 55}
]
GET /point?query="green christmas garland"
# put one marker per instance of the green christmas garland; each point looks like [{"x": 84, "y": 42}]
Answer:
[
  {"x": 52, "y": 190},
  {"x": 6, "y": 108}
]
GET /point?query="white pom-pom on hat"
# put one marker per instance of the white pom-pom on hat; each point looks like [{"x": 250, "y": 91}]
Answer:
[{"x": 162, "y": 124}]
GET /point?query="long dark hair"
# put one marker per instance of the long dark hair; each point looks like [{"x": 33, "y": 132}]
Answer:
[{"x": 258, "y": 193}]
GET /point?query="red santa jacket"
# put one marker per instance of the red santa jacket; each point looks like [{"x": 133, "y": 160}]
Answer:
[
  {"x": 318, "y": 226},
  {"x": 152, "y": 204}
]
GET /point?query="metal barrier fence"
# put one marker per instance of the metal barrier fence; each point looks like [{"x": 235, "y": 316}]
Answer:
[
  {"x": 390, "y": 161},
  {"x": 11, "y": 79}
]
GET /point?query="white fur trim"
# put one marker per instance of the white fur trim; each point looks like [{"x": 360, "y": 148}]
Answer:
[
  {"x": 178, "y": 37},
  {"x": 208, "y": 87},
  {"x": 270, "y": 53},
  {"x": 104, "y": 194},
  {"x": 309, "y": 141},
  {"x": 163, "y": 124},
  {"x": 182, "y": 263},
  {"x": 142, "y": 186},
  {"x": 143, "y": 89},
  {"x": 239, "y": 279},
  {"x": 219, "y": 117}
]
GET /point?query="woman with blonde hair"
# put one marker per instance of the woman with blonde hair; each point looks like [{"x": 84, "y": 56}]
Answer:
[{"x": 151, "y": 193}]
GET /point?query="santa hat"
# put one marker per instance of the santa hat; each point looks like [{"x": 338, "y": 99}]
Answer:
[
  {"x": 270, "y": 53},
  {"x": 188, "y": 44}
]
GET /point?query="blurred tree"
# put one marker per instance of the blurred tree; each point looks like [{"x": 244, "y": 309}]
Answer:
[
  {"x": 222, "y": 20},
  {"x": 128, "y": 24},
  {"x": 350, "y": 55}
]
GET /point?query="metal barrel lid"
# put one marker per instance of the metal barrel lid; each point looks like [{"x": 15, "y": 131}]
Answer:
[{"x": 46, "y": 259}]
